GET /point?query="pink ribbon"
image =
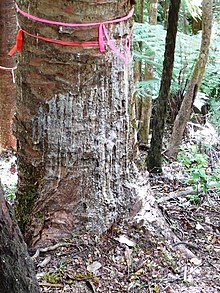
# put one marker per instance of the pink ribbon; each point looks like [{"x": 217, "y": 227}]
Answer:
[{"x": 102, "y": 32}]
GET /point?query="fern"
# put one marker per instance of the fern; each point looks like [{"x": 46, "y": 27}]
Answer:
[{"x": 186, "y": 54}]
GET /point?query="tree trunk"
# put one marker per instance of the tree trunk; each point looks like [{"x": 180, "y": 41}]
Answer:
[
  {"x": 16, "y": 268},
  {"x": 166, "y": 6},
  {"x": 194, "y": 83},
  {"x": 7, "y": 87},
  {"x": 138, "y": 76},
  {"x": 154, "y": 160},
  {"x": 72, "y": 122},
  {"x": 145, "y": 103},
  {"x": 153, "y": 11}
]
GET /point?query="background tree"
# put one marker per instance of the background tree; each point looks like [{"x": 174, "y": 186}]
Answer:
[
  {"x": 153, "y": 11},
  {"x": 72, "y": 125},
  {"x": 7, "y": 87},
  {"x": 145, "y": 104},
  {"x": 154, "y": 160},
  {"x": 16, "y": 268},
  {"x": 144, "y": 72},
  {"x": 194, "y": 83}
]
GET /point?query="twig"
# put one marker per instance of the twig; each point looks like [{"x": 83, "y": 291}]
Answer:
[
  {"x": 183, "y": 193},
  {"x": 192, "y": 245},
  {"x": 185, "y": 273},
  {"x": 49, "y": 248},
  {"x": 51, "y": 285}
]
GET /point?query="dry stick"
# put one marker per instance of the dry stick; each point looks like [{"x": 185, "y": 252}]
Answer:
[
  {"x": 51, "y": 285},
  {"x": 49, "y": 248},
  {"x": 192, "y": 245},
  {"x": 187, "y": 191}
]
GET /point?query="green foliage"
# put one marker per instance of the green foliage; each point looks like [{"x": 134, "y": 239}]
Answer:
[
  {"x": 53, "y": 278},
  {"x": 153, "y": 37},
  {"x": 9, "y": 193},
  {"x": 200, "y": 174},
  {"x": 194, "y": 198},
  {"x": 56, "y": 277},
  {"x": 211, "y": 80},
  {"x": 192, "y": 9},
  {"x": 214, "y": 113}
]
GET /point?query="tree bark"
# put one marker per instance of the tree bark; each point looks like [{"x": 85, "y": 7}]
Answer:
[
  {"x": 138, "y": 76},
  {"x": 72, "y": 123},
  {"x": 145, "y": 103},
  {"x": 16, "y": 268},
  {"x": 153, "y": 11},
  {"x": 194, "y": 83},
  {"x": 7, "y": 87},
  {"x": 154, "y": 160}
]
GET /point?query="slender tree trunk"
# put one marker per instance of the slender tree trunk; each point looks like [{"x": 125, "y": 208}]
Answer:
[
  {"x": 145, "y": 103},
  {"x": 166, "y": 13},
  {"x": 194, "y": 83},
  {"x": 7, "y": 87},
  {"x": 16, "y": 268},
  {"x": 154, "y": 161},
  {"x": 153, "y": 11},
  {"x": 142, "y": 104},
  {"x": 72, "y": 122}
]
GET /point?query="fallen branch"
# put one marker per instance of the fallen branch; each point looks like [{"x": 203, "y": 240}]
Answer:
[
  {"x": 49, "y": 248},
  {"x": 182, "y": 193},
  {"x": 51, "y": 285}
]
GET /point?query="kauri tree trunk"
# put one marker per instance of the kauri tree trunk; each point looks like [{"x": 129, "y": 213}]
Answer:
[
  {"x": 194, "y": 83},
  {"x": 154, "y": 160},
  {"x": 16, "y": 268},
  {"x": 7, "y": 87},
  {"x": 72, "y": 122}
]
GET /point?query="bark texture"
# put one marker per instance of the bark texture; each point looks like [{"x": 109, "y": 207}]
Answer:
[
  {"x": 194, "y": 83},
  {"x": 72, "y": 123},
  {"x": 145, "y": 103},
  {"x": 16, "y": 268},
  {"x": 7, "y": 87},
  {"x": 153, "y": 11},
  {"x": 154, "y": 161}
]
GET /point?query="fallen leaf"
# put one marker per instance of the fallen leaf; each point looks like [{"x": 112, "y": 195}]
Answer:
[
  {"x": 93, "y": 267},
  {"x": 123, "y": 239},
  {"x": 128, "y": 257},
  {"x": 199, "y": 227},
  {"x": 196, "y": 261},
  {"x": 45, "y": 261}
]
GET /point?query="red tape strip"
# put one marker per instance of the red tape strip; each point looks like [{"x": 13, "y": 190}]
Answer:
[{"x": 19, "y": 43}]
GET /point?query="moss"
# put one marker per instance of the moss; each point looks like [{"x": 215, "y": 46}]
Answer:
[
  {"x": 23, "y": 209},
  {"x": 26, "y": 195},
  {"x": 52, "y": 278}
]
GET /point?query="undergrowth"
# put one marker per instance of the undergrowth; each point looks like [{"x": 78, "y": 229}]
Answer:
[{"x": 202, "y": 173}]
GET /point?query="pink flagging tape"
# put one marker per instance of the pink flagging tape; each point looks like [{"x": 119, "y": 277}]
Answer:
[
  {"x": 129, "y": 15},
  {"x": 103, "y": 36}
]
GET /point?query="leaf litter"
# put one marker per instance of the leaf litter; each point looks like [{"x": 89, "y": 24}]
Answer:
[{"x": 129, "y": 257}]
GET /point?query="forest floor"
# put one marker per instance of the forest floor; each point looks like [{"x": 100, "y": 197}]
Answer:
[{"x": 129, "y": 257}]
